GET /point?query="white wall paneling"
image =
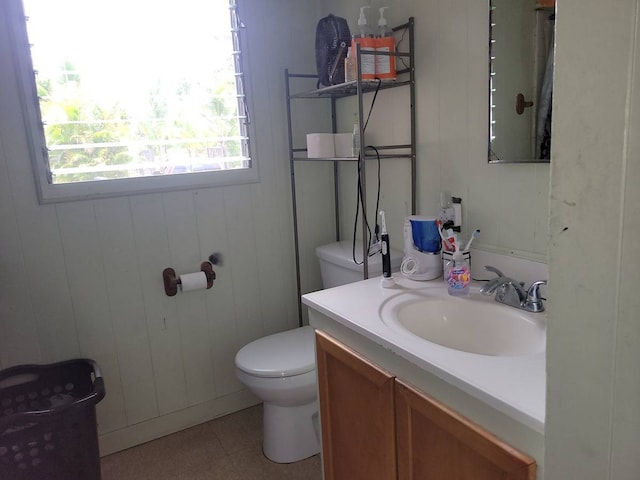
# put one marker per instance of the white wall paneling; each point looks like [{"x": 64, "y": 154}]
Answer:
[
  {"x": 83, "y": 257},
  {"x": 507, "y": 202},
  {"x": 18, "y": 333},
  {"x": 185, "y": 253},
  {"x": 593, "y": 330},
  {"x": 85, "y": 278},
  {"x": 626, "y": 394},
  {"x": 152, "y": 247}
]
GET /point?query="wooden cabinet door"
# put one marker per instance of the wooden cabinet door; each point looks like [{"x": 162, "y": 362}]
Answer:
[
  {"x": 435, "y": 443},
  {"x": 357, "y": 414}
]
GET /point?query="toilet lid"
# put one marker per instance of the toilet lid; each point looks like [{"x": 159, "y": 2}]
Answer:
[{"x": 283, "y": 354}]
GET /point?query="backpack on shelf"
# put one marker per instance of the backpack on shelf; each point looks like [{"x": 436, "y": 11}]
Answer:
[{"x": 332, "y": 42}]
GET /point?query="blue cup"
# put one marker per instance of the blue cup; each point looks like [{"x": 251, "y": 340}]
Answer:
[{"x": 426, "y": 237}]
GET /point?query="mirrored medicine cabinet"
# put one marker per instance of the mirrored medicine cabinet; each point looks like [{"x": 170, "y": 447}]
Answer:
[{"x": 521, "y": 53}]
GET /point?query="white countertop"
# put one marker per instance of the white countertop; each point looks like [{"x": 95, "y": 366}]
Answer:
[{"x": 514, "y": 385}]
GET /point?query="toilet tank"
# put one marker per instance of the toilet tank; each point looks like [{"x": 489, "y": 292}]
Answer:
[{"x": 338, "y": 268}]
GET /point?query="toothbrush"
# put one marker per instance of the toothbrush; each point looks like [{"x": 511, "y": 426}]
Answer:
[
  {"x": 475, "y": 233},
  {"x": 452, "y": 239},
  {"x": 446, "y": 243},
  {"x": 384, "y": 239}
]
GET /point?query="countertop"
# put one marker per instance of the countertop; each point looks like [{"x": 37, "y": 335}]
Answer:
[{"x": 514, "y": 385}]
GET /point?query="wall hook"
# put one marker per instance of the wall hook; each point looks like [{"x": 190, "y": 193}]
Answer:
[
  {"x": 215, "y": 258},
  {"x": 521, "y": 104}
]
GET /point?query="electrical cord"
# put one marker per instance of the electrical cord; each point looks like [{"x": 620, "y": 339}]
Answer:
[
  {"x": 361, "y": 181},
  {"x": 359, "y": 196},
  {"x": 361, "y": 158},
  {"x": 375, "y": 95},
  {"x": 360, "y": 205},
  {"x": 377, "y": 227},
  {"x": 398, "y": 45}
]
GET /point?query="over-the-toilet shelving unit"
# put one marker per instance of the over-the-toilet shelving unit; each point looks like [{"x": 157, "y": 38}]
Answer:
[{"x": 358, "y": 87}]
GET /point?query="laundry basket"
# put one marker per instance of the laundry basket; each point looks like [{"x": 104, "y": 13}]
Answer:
[{"x": 48, "y": 421}]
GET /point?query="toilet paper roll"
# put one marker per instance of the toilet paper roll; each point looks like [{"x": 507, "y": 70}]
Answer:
[{"x": 193, "y": 281}]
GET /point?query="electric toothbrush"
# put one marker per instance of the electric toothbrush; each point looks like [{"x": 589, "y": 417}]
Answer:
[{"x": 386, "y": 253}]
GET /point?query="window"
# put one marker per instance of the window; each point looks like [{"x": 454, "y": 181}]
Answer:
[{"x": 130, "y": 96}]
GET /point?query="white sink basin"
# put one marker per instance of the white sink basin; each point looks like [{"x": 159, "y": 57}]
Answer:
[{"x": 474, "y": 324}]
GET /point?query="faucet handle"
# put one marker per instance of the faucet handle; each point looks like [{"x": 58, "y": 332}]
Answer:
[
  {"x": 534, "y": 300},
  {"x": 492, "y": 284},
  {"x": 494, "y": 270},
  {"x": 534, "y": 290}
]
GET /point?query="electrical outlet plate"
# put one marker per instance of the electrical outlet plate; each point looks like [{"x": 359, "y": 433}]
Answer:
[{"x": 447, "y": 214}]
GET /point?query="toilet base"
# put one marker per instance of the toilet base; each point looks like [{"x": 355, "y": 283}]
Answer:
[{"x": 292, "y": 433}]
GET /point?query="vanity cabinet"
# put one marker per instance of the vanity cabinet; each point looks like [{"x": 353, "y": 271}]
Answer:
[
  {"x": 376, "y": 426},
  {"x": 434, "y": 442},
  {"x": 357, "y": 414}
]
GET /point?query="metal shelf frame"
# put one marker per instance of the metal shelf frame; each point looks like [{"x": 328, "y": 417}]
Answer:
[{"x": 333, "y": 93}]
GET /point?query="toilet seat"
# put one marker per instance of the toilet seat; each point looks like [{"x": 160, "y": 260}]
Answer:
[{"x": 283, "y": 354}]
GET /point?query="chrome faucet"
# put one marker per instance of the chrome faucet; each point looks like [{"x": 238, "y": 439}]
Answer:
[{"x": 512, "y": 293}]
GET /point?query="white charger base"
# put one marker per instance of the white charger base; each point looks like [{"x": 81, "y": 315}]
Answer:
[{"x": 387, "y": 282}]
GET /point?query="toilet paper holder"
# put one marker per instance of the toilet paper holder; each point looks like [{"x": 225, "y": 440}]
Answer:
[{"x": 172, "y": 281}]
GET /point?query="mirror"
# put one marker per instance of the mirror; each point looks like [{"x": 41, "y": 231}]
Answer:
[{"x": 520, "y": 80}]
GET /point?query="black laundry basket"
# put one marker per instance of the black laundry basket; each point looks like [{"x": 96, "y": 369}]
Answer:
[{"x": 48, "y": 425}]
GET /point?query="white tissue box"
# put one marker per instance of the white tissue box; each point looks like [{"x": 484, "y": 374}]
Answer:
[
  {"x": 344, "y": 144},
  {"x": 320, "y": 145}
]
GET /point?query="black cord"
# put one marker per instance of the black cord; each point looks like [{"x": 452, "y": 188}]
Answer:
[
  {"x": 404, "y": 30},
  {"x": 372, "y": 104},
  {"x": 359, "y": 196},
  {"x": 377, "y": 227},
  {"x": 360, "y": 204},
  {"x": 355, "y": 223}
]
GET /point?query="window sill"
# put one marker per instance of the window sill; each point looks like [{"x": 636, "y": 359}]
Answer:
[{"x": 70, "y": 192}]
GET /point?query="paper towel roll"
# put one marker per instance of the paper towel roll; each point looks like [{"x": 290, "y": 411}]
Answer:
[{"x": 193, "y": 281}]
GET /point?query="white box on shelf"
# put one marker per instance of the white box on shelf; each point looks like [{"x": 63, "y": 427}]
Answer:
[
  {"x": 344, "y": 144},
  {"x": 320, "y": 145}
]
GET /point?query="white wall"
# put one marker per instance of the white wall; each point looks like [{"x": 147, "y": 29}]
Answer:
[
  {"x": 51, "y": 309},
  {"x": 84, "y": 278},
  {"x": 593, "y": 424},
  {"x": 509, "y": 203}
]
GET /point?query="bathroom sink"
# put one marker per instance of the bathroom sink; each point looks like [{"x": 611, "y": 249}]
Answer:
[{"x": 474, "y": 324}]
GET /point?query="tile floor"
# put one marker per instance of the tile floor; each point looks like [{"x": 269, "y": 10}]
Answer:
[{"x": 228, "y": 448}]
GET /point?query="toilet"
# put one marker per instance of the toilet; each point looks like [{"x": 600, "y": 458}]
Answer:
[{"x": 280, "y": 369}]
